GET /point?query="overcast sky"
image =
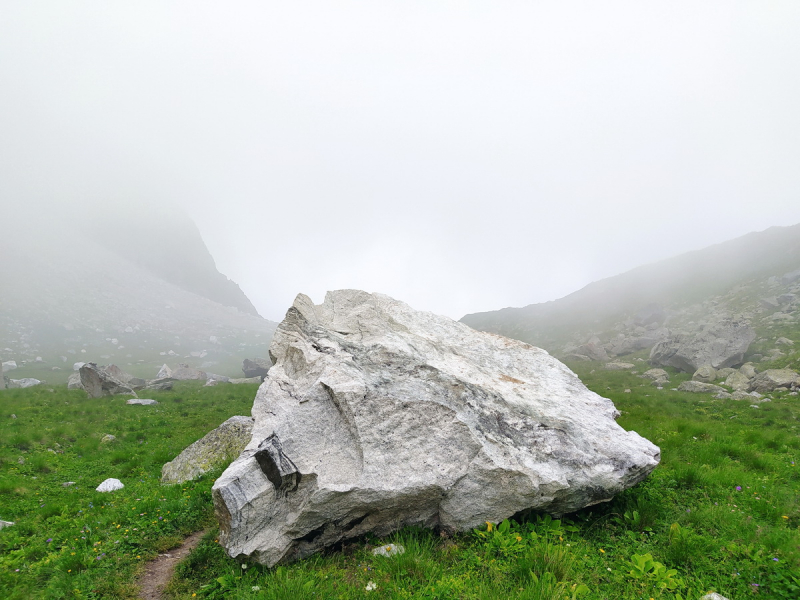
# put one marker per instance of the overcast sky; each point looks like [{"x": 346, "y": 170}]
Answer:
[{"x": 460, "y": 156}]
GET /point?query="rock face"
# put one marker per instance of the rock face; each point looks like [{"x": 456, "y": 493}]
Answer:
[
  {"x": 376, "y": 416},
  {"x": 222, "y": 444},
  {"x": 98, "y": 382},
  {"x": 718, "y": 345},
  {"x": 257, "y": 367}
]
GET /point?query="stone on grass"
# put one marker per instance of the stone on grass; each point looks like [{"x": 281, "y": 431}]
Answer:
[
  {"x": 655, "y": 374},
  {"x": 164, "y": 372},
  {"x": 4, "y": 524},
  {"x": 772, "y": 379},
  {"x": 713, "y": 596},
  {"x": 110, "y": 485},
  {"x": 389, "y": 550},
  {"x": 256, "y": 367},
  {"x": 720, "y": 344},
  {"x": 186, "y": 373},
  {"x": 142, "y": 401},
  {"x": 108, "y": 438},
  {"x": 698, "y": 387},
  {"x": 9, "y": 365},
  {"x": 245, "y": 380},
  {"x": 217, "y": 447},
  {"x": 98, "y": 382},
  {"x": 68, "y": 484},
  {"x": 722, "y": 396},
  {"x": 25, "y": 382},
  {"x": 737, "y": 381},
  {"x": 782, "y": 341},
  {"x": 748, "y": 370},
  {"x": 619, "y": 366},
  {"x": 160, "y": 385},
  {"x": 705, "y": 374},
  {"x": 376, "y": 416},
  {"x": 74, "y": 382}
]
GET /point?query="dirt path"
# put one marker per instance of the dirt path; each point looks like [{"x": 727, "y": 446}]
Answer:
[{"x": 158, "y": 572}]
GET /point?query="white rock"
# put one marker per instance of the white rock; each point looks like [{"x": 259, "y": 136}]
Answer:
[
  {"x": 713, "y": 596},
  {"x": 142, "y": 401},
  {"x": 9, "y": 365},
  {"x": 4, "y": 524},
  {"x": 110, "y": 485},
  {"x": 25, "y": 382},
  {"x": 376, "y": 416},
  {"x": 77, "y": 366},
  {"x": 163, "y": 372}
]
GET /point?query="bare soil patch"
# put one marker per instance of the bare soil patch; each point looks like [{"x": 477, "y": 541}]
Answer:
[{"x": 158, "y": 572}]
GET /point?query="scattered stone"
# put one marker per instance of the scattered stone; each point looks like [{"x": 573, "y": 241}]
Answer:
[
  {"x": 742, "y": 395},
  {"x": 376, "y": 416},
  {"x": 186, "y": 373},
  {"x": 721, "y": 344},
  {"x": 142, "y": 401},
  {"x": 21, "y": 460},
  {"x": 769, "y": 303},
  {"x": 98, "y": 382},
  {"x": 389, "y": 550},
  {"x": 699, "y": 387},
  {"x": 782, "y": 341},
  {"x": 217, "y": 447},
  {"x": 159, "y": 384},
  {"x": 110, "y": 485},
  {"x": 9, "y": 365},
  {"x": 593, "y": 350},
  {"x": 748, "y": 370},
  {"x": 772, "y": 379},
  {"x": 790, "y": 277},
  {"x": 705, "y": 374},
  {"x": 164, "y": 372},
  {"x": 626, "y": 391},
  {"x": 74, "y": 382},
  {"x": 212, "y": 383},
  {"x": 655, "y": 374},
  {"x": 25, "y": 382},
  {"x": 68, "y": 484},
  {"x": 724, "y": 373},
  {"x": 257, "y": 367},
  {"x": 619, "y": 366},
  {"x": 4, "y": 524},
  {"x": 786, "y": 298},
  {"x": 713, "y": 596},
  {"x": 245, "y": 380},
  {"x": 737, "y": 381},
  {"x": 722, "y": 396},
  {"x": 108, "y": 438}
]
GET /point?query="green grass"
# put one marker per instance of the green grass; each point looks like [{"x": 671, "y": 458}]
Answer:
[{"x": 715, "y": 515}]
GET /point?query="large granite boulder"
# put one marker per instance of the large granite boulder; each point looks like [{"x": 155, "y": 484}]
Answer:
[
  {"x": 705, "y": 374},
  {"x": 737, "y": 381},
  {"x": 772, "y": 379},
  {"x": 719, "y": 345},
  {"x": 217, "y": 447},
  {"x": 98, "y": 382},
  {"x": 376, "y": 416},
  {"x": 256, "y": 367},
  {"x": 135, "y": 383}
]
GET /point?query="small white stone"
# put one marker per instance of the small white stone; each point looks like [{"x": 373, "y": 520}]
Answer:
[{"x": 110, "y": 485}]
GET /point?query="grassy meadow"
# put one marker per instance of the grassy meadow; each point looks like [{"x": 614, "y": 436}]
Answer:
[{"x": 721, "y": 513}]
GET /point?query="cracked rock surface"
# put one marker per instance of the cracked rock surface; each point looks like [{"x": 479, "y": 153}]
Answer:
[{"x": 376, "y": 416}]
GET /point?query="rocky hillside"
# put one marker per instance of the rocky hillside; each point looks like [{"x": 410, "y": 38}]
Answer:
[
  {"x": 721, "y": 306},
  {"x": 135, "y": 288}
]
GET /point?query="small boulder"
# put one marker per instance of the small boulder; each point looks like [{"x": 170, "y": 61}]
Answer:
[
  {"x": 108, "y": 438},
  {"x": 699, "y": 387},
  {"x": 256, "y": 367},
  {"x": 74, "y": 382},
  {"x": 772, "y": 379},
  {"x": 705, "y": 374},
  {"x": 160, "y": 385},
  {"x": 98, "y": 382},
  {"x": 748, "y": 370},
  {"x": 246, "y": 380},
  {"x": 713, "y": 596},
  {"x": 782, "y": 341},
  {"x": 187, "y": 373},
  {"x": 655, "y": 374},
  {"x": 719, "y": 344},
  {"x": 110, "y": 485},
  {"x": 217, "y": 447},
  {"x": 25, "y": 382},
  {"x": 142, "y": 401},
  {"x": 737, "y": 381},
  {"x": 163, "y": 372},
  {"x": 9, "y": 365},
  {"x": 742, "y": 395},
  {"x": 4, "y": 524},
  {"x": 619, "y": 366}
]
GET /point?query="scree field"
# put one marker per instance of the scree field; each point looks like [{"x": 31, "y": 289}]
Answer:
[{"x": 721, "y": 513}]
